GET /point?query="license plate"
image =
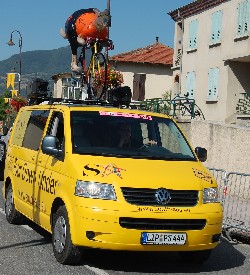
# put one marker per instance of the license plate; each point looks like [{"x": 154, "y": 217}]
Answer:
[{"x": 163, "y": 238}]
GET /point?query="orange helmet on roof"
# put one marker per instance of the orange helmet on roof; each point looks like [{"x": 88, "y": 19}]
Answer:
[{"x": 86, "y": 27}]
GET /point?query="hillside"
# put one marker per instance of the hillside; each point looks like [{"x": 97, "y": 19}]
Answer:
[{"x": 39, "y": 63}]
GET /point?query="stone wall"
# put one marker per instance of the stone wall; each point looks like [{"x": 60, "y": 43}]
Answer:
[{"x": 228, "y": 146}]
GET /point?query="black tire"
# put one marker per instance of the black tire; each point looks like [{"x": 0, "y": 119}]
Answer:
[
  {"x": 198, "y": 113},
  {"x": 64, "y": 251},
  {"x": 99, "y": 62},
  {"x": 12, "y": 215},
  {"x": 195, "y": 257},
  {"x": 184, "y": 111}
]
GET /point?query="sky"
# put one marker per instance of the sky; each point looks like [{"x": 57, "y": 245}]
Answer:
[{"x": 135, "y": 23}]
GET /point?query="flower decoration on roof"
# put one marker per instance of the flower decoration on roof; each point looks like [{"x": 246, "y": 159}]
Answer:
[
  {"x": 15, "y": 104},
  {"x": 114, "y": 78}
]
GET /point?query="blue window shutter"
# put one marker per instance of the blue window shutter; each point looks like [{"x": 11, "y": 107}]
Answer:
[
  {"x": 213, "y": 33},
  {"x": 246, "y": 16},
  {"x": 219, "y": 25},
  {"x": 190, "y": 35},
  {"x": 193, "y": 31},
  {"x": 243, "y": 18},
  {"x": 216, "y": 27},
  {"x": 213, "y": 83},
  {"x": 190, "y": 84},
  {"x": 210, "y": 84}
]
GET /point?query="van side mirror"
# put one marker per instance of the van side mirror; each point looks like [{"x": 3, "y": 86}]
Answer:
[
  {"x": 201, "y": 153},
  {"x": 50, "y": 146}
]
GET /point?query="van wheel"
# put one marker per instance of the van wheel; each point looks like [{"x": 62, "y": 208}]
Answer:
[
  {"x": 195, "y": 257},
  {"x": 65, "y": 252},
  {"x": 11, "y": 214}
]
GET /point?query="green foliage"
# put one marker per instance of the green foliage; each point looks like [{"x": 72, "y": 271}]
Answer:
[
  {"x": 3, "y": 107},
  {"x": 7, "y": 94},
  {"x": 167, "y": 95},
  {"x": 160, "y": 105}
]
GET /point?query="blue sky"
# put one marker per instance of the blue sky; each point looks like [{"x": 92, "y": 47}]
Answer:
[{"x": 135, "y": 23}]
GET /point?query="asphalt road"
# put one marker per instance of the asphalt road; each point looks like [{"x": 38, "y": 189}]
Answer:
[{"x": 26, "y": 249}]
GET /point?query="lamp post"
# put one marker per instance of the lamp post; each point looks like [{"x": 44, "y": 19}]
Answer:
[
  {"x": 11, "y": 43},
  {"x": 106, "y": 50}
]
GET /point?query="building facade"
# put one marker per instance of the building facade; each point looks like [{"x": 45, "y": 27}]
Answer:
[
  {"x": 147, "y": 71},
  {"x": 212, "y": 56},
  {"x": 67, "y": 87}
]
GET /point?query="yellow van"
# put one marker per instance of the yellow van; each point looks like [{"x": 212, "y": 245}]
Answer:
[{"x": 110, "y": 178}]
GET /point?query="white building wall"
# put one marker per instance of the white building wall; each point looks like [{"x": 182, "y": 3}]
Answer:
[
  {"x": 159, "y": 78},
  {"x": 207, "y": 56}
]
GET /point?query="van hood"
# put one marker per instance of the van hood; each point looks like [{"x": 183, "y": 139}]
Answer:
[{"x": 143, "y": 173}]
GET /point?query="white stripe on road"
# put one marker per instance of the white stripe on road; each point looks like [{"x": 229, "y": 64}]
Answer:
[
  {"x": 96, "y": 270},
  {"x": 93, "y": 269},
  {"x": 26, "y": 227}
]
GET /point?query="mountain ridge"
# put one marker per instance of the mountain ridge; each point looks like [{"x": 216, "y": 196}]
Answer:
[
  {"x": 36, "y": 61},
  {"x": 36, "y": 64}
]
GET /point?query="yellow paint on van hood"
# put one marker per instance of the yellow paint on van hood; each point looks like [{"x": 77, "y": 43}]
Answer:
[{"x": 142, "y": 173}]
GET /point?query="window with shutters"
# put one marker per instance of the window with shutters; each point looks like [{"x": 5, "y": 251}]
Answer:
[
  {"x": 190, "y": 84},
  {"x": 193, "y": 32},
  {"x": 213, "y": 82},
  {"x": 139, "y": 87},
  {"x": 243, "y": 18},
  {"x": 216, "y": 27}
]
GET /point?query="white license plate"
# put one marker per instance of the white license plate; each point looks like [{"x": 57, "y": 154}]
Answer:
[{"x": 163, "y": 238}]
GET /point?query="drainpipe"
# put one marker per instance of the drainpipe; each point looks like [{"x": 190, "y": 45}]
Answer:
[{"x": 182, "y": 33}]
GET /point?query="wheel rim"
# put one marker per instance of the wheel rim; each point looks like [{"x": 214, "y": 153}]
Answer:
[
  {"x": 9, "y": 203},
  {"x": 60, "y": 234}
]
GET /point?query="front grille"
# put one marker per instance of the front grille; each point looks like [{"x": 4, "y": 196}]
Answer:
[
  {"x": 162, "y": 224},
  {"x": 146, "y": 196}
]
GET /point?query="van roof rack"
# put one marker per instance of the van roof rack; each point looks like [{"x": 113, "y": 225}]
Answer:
[
  {"x": 118, "y": 97},
  {"x": 53, "y": 100}
]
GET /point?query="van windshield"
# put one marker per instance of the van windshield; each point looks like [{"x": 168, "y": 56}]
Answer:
[{"x": 130, "y": 135}]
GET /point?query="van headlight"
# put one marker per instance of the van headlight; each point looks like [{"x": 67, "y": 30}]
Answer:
[
  {"x": 96, "y": 190},
  {"x": 210, "y": 195}
]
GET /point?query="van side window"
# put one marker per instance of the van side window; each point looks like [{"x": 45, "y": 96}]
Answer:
[
  {"x": 56, "y": 128},
  {"x": 34, "y": 130}
]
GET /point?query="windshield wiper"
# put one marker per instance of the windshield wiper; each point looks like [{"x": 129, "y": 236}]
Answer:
[{"x": 180, "y": 158}]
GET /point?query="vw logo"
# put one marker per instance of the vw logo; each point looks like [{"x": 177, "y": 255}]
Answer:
[{"x": 162, "y": 196}]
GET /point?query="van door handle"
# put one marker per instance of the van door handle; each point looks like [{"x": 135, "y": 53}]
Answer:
[
  {"x": 39, "y": 160},
  {"x": 33, "y": 158}
]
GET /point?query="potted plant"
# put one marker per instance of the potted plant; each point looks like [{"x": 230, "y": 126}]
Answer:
[{"x": 114, "y": 78}]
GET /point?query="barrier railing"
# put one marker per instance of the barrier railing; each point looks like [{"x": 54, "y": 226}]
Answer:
[
  {"x": 234, "y": 192},
  {"x": 178, "y": 107}
]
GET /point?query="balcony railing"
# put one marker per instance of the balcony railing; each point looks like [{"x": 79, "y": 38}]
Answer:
[
  {"x": 178, "y": 58},
  {"x": 243, "y": 105},
  {"x": 178, "y": 107}
]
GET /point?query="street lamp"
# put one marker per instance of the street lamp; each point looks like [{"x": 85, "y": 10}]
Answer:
[{"x": 11, "y": 43}]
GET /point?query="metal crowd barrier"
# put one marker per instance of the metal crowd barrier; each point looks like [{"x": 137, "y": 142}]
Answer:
[{"x": 234, "y": 193}]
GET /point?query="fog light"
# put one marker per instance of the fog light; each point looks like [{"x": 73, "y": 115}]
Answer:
[
  {"x": 216, "y": 238},
  {"x": 90, "y": 235}
]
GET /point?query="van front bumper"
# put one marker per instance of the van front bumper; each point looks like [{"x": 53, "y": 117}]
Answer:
[{"x": 100, "y": 228}]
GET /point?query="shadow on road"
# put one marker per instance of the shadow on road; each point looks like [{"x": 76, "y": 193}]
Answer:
[
  {"x": 25, "y": 244},
  {"x": 224, "y": 257}
]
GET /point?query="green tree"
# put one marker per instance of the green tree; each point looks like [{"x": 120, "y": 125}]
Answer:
[
  {"x": 7, "y": 94},
  {"x": 3, "y": 107}
]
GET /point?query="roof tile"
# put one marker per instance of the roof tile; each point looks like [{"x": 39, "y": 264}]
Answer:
[{"x": 153, "y": 54}]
